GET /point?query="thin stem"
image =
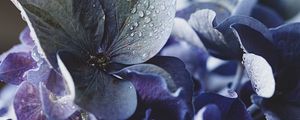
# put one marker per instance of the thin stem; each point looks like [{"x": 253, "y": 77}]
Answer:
[{"x": 252, "y": 109}]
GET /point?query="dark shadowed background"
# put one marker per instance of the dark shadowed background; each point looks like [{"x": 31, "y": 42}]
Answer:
[{"x": 11, "y": 24}]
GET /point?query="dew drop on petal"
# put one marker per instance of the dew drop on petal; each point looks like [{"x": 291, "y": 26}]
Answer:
[
  {"x": 140, "y": 34},
  {"x": 151, "y": 25},
  {"x": 147, "y": 19},
  {"x": 141, "y": 14},
  {"x": 135, "y": 24},
  {"x": 148, "y": 12},
  {"x": 132, "y": 34},
  {"x": 150, "y": 34},
  {"x": 133, "y": 10},
  {"x": 151, "y": 7}
]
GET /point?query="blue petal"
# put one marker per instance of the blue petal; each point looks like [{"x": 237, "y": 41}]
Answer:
[
  {"x": 193, "y": 57},
  {"x": 231, "y": 108},
  {"x": 286, "y": 39},
  {"x": 267, "y": 16},
  {"x": 153, "y": 94},
  {"x": 176, "y": 68},
  {"x": 222, "y": 12}
]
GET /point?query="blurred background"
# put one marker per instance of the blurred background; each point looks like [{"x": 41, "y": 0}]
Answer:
[{"x": 11, "y": 24}]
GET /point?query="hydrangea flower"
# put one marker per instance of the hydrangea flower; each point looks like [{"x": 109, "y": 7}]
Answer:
[
  {"x": 88, "y": 41},
  {"x": 100, "y": 59}
]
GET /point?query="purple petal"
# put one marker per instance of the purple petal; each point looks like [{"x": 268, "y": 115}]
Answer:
[
  {"x": 176, "y": 68},
  {"x": 231, "y": 108},
  {"x": 221, "y": 11},
  {"x": 267, "y": 16},
  {"x": 43, "y": 73},
  {"x": 154, "y": 95},
  {"x": 39, "y": 74},
  {"x": 193, "y": 57},
  {"x": 227, "y": 69},
  {"x": 256, "y": 39},
  {"x": 286, "y": 39},
  {"x": 16, "y": 49},
  {"x": 27, "y": 103},
  {"x": 56, "y": 108},
  {"x": 182, "y": 31},
  {"x": 208, "y": 112},
  {"x": 26, "y": 38},
  {"x": 14, "y": 66}
]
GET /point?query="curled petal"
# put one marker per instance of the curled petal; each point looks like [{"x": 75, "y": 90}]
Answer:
[
  {"x": 26, "y": 38},
  {"x": 260, "y": 74},
  {"x": 209, "y": 112},
  {"x": 230, "y": 108}
]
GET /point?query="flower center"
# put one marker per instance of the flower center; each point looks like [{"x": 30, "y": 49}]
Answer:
[{"x": 98, "y": 60}]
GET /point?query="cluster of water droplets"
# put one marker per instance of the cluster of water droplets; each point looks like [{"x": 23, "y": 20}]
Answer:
[
  {"x": 260, "y": 74},
  {"x": 147, "y": 24}
]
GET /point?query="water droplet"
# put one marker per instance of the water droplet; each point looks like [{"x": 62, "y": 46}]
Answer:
[
  {"x": 157, "y": 11},
  {"x": 148, "y": 12},
  {"x": 133, "y": 10},
  {"x": 94, "y": 5},
  {"x": 151, "y": 25},
  {"x": 135, "y": 24},
  {"x": 144, "y": 55},
  {"x": 132, "y": 34},
  {"x": 140, "y": 34},
  {"x": 141, "y": 13},
  {"x": 131, "y": 28},
  {"x": 169, "y": 13},
  {"x": 147, "y": 19},
  {"x": 151, "y": 7}
]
